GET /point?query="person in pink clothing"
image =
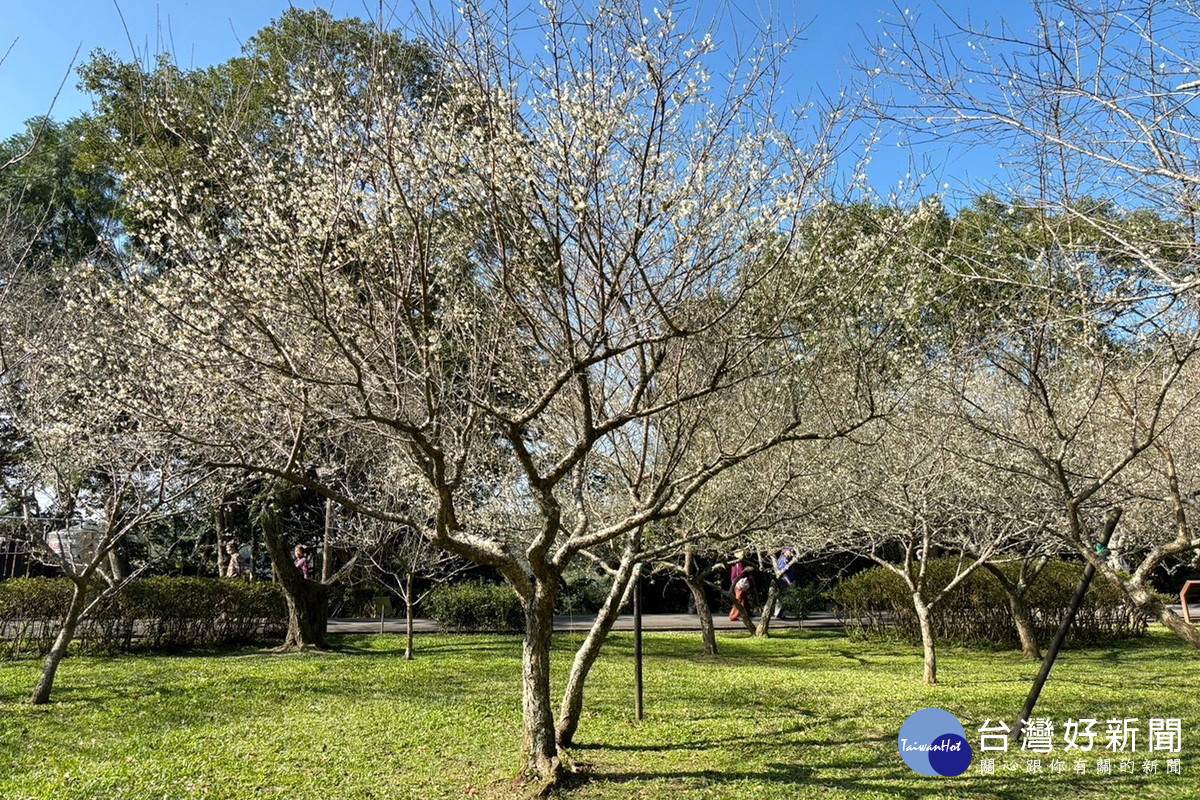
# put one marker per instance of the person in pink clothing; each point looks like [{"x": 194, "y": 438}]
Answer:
[
  {"x": 302, "y": 561},
  {"x": 740, "y": 582}
]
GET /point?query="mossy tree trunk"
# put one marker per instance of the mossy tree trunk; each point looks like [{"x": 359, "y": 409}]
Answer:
[
  {"x": 1026, "y": 631},
  {"x": 307, "y": 601},
  {"x": 768, "y": 610},
  {"x": 928, "y": 643},
  {"x": 1015, "y": 591},
  {"x": 708, "y": 632},
  {"x": 1149, "y": 603}
]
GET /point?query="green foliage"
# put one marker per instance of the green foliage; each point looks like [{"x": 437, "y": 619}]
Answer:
[
  {"x": 58, "y": 202},
  {"x": 877, "y": 604},
  {"x": 149, "y": 614},
  {"x": 582, "y": 593},
  {"x": 31, "y": 609},
  {"x": 800, "y": 601},
  {"x": 476, "y": 607},
  {"x": 490, "y": 607},
  {"x": 943, "y": 279}
]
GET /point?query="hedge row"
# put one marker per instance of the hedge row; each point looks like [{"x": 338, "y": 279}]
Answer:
[
  {"x": 153, "y": 613},
  {"x": 495, "y": 607},
  {"x": 878, "y": 604},
  {"x": 476, "y": 607}
]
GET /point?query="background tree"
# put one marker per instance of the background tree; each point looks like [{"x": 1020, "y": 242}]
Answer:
[
  {"x": 1092, "y": 368},
  {"x": 125, "y": 136},
  {"x": 916, "y": 499},
  {"x": 701, "y": 570},
  {"x": 1016, "y": 585},
  {"x": 406, "y": 565},
  {"x": 59, "y": 203}
]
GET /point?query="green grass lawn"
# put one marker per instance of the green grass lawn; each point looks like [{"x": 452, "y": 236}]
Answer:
[{"x": 801, "y": 716}]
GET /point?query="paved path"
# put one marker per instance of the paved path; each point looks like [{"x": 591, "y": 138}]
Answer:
[
  {"x": 581, "y": 623},
  {"x": 650, "y": 622}
]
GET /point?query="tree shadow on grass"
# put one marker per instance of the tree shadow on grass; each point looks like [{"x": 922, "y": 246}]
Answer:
[
  {"x": 429, "y": 650},
  {"x": 766, "y": 740},
  {"x": 847, "y": 655},
  {"x": 897, "y": 783},
  {"x": 788, "y": 775},
  {"x": 16, "y": 698},
  {"x": 780, "y": 774}
]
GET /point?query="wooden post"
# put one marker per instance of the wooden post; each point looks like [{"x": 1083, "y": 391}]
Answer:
[{"x": 327, "y": 544}]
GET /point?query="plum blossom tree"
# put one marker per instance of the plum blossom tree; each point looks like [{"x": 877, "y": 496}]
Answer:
[
  {"x": 916, "y": 495},
  {"x": 529, "y": 296},
  {"x": 87, "y": 463},
  {"x": 398, "y": 557}
]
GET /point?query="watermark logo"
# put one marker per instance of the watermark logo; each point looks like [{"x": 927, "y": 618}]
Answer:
[{"x": 933, "y": 742}]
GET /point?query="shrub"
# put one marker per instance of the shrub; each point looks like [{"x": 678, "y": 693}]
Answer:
[
  {"x": 476, "y": 607},
  {"x": 800, "y": 601},
  {"x": 878, "y": 604},
  {"x": 31, "y": 611},
  {"x": 151, "y": 614},
  {"x": 582, "y": 594}
]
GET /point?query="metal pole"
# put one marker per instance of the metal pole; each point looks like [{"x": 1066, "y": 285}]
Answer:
[
  {"x": 638, "y": 706},
  {"x": 1060, "y": 635}
]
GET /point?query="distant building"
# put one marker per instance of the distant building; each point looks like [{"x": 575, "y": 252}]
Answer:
[{"x": 76, "y": 543}]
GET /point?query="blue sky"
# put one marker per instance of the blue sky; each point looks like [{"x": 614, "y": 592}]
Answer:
[{"x": 45, "y": 34}]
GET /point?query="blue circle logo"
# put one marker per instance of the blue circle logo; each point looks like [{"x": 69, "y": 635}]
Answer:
[{"x": 933, "y": 742}]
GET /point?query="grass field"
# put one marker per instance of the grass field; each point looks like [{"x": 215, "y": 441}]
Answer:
[{"x": 802, "y": 716}]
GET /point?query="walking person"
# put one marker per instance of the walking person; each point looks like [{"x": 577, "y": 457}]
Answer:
[
  {"x": 741, "y": 582},
  {"x": 786, "y": 566}
]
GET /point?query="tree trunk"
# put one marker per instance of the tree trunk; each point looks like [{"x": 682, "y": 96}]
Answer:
[
  {"x": 589, "y": 651},
  {"x": 254, "y": 556},
  {"x": 1026, "y": 631},
  {"x": 307, "y": 601},
  {"x": 1149, "y": 603},
  {"x": 308, "y": 615},
  {"x": 116, "y": 563},
  {"x": 219, "y": 536},
  {"x": 704, "y": 611},
  {"x": 768, "y": 610},
  {"x": 41, "y": 692},
  {"x": 539, "y": 746},
  {"x": 1177, "y": 625},
  {"x": 408, "y": 618},
  {"x": 927, "y": 641},
  {"x": 744, "y": 613},
  {"x": 1022, "y": 617}
]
